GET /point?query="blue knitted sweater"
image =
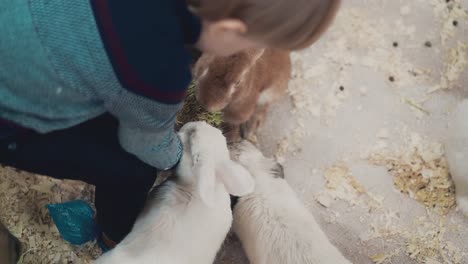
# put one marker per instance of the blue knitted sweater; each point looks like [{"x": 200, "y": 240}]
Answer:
[{"x": 65, "y": 62}]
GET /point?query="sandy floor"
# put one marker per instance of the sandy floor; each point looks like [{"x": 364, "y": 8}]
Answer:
[{"x": 383, "y": 80}]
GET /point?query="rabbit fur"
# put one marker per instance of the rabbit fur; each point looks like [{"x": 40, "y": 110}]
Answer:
[
  {"x": 243, "y": 86},
  {"x": 272, "y": 223},
  {"x": 188, "y": 217}
]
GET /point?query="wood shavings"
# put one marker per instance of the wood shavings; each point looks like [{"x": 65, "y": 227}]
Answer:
[
  {"x": 384, "y": 48},
  {"x": 283, "y": 147},
  {"x": 380, "y": 258},
  {"x": 416, "y": 106},
  {"x": 383, "y": 258},
  {"x": 306, "y": 103},
  {"x": 23, "y": 200},
  {"x": 418, "y": 245},
  {"x": 455, "y": 66},
  {"x": 369, "y": 39},
  {"x": 421, "y": 170},
  {"x": 425, "y": 242},
  {"x": 324, "y": 199},
  {"x": 363, "y": 48},
  {"x": 338, "y": 176},
  {"x": 431, "y": 261},
  {"x": 342, "y": 185},
  {"x": 447, "y": 12}
]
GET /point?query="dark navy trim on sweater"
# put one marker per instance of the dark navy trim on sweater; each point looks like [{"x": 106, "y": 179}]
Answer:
[
  {"x": 191, "y": 25},
  {"x": 145, "y": 44},
  {"x": 8, "y": 128}
]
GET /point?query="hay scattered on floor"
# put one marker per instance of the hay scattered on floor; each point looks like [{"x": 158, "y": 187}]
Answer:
[
  {"x": 455, "y": 66},
  {"x": 23, "y": 200},
  {"x": 424, "y": 240},
  {"x": 340, "y": 185},
  {"x": 447, "y": 12},
  {"x": 452, "y": 16},
  {"x": 421, "y": 171},
  {"x": 383, "y": 258},
  {"x": 193, "y": 111},
  {"x": 367, "y": 47}
]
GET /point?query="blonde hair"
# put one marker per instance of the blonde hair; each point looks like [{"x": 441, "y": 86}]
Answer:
[{"x": 284, "y": 24}]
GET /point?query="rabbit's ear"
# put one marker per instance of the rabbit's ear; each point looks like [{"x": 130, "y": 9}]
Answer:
[
  {"x": 237, "y": 180},
  {"x": 203, "y": 166},
  {"x": 206, "y": 175}
]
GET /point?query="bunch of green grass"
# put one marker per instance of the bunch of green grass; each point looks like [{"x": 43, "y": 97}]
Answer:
[{"x": 193, "y": 111}]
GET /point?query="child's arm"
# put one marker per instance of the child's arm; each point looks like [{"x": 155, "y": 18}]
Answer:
[
  {"x": 146, "y": 127},
  {"x": 145, "y": 45}
]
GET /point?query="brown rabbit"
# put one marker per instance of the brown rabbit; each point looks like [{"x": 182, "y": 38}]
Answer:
[
  {"x": 10, "y": 247},
  {"x": 242, "y": 86}
]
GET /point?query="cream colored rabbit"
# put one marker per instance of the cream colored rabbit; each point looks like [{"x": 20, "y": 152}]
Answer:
[{"x": 272, "y": 223}]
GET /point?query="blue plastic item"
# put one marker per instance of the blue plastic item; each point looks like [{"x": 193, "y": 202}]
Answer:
[{"x": 75, "y": 221}]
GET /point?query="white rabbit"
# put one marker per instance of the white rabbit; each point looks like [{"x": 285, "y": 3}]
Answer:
[
  {"x": 457, "y": 154},
  {"x": 188, "y": 217},
  {"x": 272, "y": 223}
]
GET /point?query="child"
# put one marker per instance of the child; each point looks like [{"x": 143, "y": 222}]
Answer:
[{"x": 89, "y": 90}]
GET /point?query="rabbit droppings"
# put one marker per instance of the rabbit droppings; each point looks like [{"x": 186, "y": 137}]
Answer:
[
  {"x": 242, "y": 86},
  {"x": 188, "y": 217},
  {"x": 272, "y": 223},
  {"x": 457, "y": 154}
]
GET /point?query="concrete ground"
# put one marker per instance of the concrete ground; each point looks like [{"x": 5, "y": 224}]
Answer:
[{"x": 387, "y": 74}]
